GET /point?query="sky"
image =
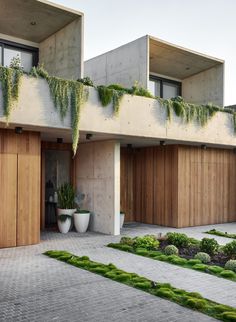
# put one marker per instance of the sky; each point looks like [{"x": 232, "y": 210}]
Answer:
[{"x": 206, "y": 26}]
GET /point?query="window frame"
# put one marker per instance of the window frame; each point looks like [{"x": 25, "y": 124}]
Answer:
[
  {"x": 166, "y": 80},
  {"x": 13, "y": 45}
]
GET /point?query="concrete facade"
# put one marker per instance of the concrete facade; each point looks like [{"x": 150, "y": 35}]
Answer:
[
  {"x": 98, "y": 177},
  {"x": 202, "y": 77}
]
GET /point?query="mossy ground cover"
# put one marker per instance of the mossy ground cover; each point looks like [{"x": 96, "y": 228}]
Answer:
[
  {"x": 190, "y": 300},
  {"x": 220, "y": 233},
  {"x": 194, "y": 264}
]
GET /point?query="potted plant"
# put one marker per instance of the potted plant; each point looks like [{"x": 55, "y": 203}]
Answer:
[
  {"x": 122, "y": 219},
  {"x": 66, "y": 203},
  {"x": 81, "y": 220}
]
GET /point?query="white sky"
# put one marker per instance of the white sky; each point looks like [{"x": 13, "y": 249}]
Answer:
[{"x": 207, "y": 26}]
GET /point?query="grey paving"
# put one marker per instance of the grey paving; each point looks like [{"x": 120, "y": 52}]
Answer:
[{"x": 36, "y": 288}]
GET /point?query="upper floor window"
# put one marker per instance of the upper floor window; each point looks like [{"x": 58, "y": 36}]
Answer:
[
  {"x": 27, "y": 55},
  {"x": 164, "y": 88}
]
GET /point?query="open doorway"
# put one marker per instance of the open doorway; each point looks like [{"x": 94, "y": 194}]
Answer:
[{"x": 56, "y": 169}]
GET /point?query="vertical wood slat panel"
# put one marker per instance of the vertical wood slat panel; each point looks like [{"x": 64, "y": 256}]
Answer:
[{"x": 8, "y": 187}]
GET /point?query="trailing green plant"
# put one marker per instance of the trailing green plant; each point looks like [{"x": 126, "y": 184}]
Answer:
[
  {"x": 209, "y": 246},
  {"x": 221, "y": 233},
  {"x": 64, "y": 217},
  {"x": 177, "y": 239},
  {"x": 189, "y": 112},
  {"x": 10, "y": 79},
  {"x": 230, "y": 248},
  {"x": 86, "y": 81},
  {"x": 108, "y": 95},
  {"x": 203, "y": 257},
  {"x": 66, "y": 196},
  {"x": 187, "y": 299},
  {"x": 231, "y": 265},
  {"x": 65, "y": 94},
  {"x": 171, "y": 250}
]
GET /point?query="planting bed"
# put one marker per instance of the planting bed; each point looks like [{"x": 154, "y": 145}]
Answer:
[{"x": 221, "y": 233}]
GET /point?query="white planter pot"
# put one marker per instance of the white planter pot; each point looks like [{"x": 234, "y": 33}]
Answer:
[
  {"x": 64, "y": 226},
  {"x": 81, "y": 221},
  {"x": 122, "y": 218}
]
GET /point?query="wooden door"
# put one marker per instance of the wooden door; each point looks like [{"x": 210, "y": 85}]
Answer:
[
  {"x": 8, "y": 193},
  {"x": 28, "y": 217}
]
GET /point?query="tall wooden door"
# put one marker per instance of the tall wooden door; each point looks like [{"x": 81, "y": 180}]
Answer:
[{"x": 8, "y": 191}]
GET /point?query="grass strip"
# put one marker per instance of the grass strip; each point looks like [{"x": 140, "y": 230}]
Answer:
[
  {"x": 191, "y": 300},
  {"x": 194, "y": 264},
  {"x": 220, "y": 233}
]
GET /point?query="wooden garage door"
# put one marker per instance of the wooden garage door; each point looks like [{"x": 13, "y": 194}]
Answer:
[{"x": 8, "y": 190}]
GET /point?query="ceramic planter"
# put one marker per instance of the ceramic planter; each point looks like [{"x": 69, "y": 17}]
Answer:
[
  {"x": 64, "y": 226},
  {"x": 122, "y": 218},
  {"x": 81, "y": 221}
]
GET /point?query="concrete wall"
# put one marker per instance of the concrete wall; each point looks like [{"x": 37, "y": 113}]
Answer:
[
  {"x": 124, "y": 65},
  {"x": 62, "y": 53},
  {"x": 98, "y": 177},
  {"x": 140, "y": 118},
  {"x": 205, "y": 87}
]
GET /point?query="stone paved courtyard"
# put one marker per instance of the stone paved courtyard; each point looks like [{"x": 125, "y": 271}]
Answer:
[{"x": 36, "y": 288}]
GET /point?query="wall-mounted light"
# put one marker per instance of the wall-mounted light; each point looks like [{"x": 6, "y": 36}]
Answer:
[
  {"x": 59, "y": 140},
  {"x": 162, "y": 143},
  {"x": 18, "y": 130},
  {"x": 203, "y": 147},
  {"x": 88, "y": 136}
]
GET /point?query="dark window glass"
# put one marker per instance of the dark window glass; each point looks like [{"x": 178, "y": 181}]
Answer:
[{"x": 164, "y": 88}]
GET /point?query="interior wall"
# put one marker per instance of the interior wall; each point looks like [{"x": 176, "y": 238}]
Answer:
[
  {"x": 19, "y": 188},
  {"x": 206, "y": 186},
  {"x": 205, "y": 87},
  {"x": 97, "y": 175},
  {"x": 62, "y": 53}
]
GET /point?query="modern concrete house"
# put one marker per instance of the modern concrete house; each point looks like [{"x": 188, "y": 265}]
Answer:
[
  {"x": 162, "y": 172},
  {"x": 165, "y": 69}
]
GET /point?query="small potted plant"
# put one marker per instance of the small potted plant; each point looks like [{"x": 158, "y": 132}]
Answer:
[
  {"x": 122, "y": 219},
  {"x": 66, "y": 197},
  {"x": 81, "y": 216}
]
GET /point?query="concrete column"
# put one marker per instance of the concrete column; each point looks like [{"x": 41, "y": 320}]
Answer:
[{"x": 98, "y": 177}]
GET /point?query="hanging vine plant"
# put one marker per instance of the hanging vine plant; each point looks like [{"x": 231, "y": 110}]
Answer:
[
  {"x": 10, "y": 80},
  {"x": 108, "y": 95},
  {"x": 66, "y": 94}
]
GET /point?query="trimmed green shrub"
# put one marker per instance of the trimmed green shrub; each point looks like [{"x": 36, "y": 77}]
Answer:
[
  {"x": 231, "y": 265},
  {"x": 194, "y": 303},
  {"x": 99, "y": 270},
  {"x": 230, "y": 248},
  {"x": 123, "y": 277},
  {"x": 126, "y": 248},
  {"x": 178, "y": 240},
  {"x": 194, "y": 261},
  {"x": 179, "y": 261},
  {"x": 195, "y": 294},
  {"x": 203, "y": 257},
  {"x": 171, "y": 250},
  {"x": 215, "y": 269},
  {"x": 148, "y": 242},
  {"x": 228, "y": 316},
  {"x": 165, "y": 292},
  {"x": 200, "y": 267},
  {"x": 143, "y": 285},
  {"x": 162, "y": 258},
  {"x": 227, "y": 274},
  {"x": 209, "y": 246},
  {"x": 154, "y": 253},
  {"x": 142, "y": 251}
]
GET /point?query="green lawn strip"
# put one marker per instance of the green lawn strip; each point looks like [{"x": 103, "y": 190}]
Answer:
[
  {"x": 190, "y": 300},
  {"x": 194, "y": 264},
  {"x": 220, "y": 233}
]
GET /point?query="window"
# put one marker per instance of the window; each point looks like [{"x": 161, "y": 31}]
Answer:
[
  {"x": 28, "y": 55},
  {"x": 164, "y": 88}
]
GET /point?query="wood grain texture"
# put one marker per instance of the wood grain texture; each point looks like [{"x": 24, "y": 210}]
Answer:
[{"x": 8, "y": 190}]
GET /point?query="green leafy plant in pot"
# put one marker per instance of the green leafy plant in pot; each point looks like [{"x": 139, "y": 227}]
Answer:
[
  {"x": 66, "y": 207},
  {"x": 81, "y": 216}
]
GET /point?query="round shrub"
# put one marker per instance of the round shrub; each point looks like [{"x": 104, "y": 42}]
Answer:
[
  {"x": 227, "y": 274},
  {"x": 231, "y": 265},
  {"x": 209, "y": 246},
  {"x": 178, "y": 240},
  {"x": 203, "y": 257},
  {"x": 171, "y": 250},
  {"x": 127, "y": 241},
  {"x": 230, "y": 248},
  {"x": 148, "y": 242}
]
